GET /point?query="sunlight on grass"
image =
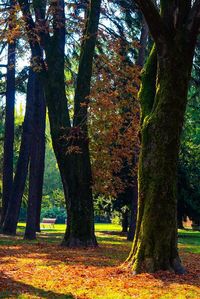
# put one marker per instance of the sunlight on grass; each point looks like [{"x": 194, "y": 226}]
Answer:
[
  {"x": 189, "y": 241},
  {"x": 62, "y": 227}
]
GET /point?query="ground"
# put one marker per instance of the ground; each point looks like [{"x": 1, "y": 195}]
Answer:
[{"x": 43, "y": 269}]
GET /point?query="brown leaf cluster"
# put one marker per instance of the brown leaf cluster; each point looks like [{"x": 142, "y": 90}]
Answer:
[{"x": 113, "y": 120}]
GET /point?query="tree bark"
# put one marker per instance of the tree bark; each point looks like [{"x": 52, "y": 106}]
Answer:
[
  {"x": 143, "y": 43},
  {"x": 9, "y": 126},
  {"x": 140, "y": 62},
  {"x": 81, "y": 230},
  {"x": 12, "y": 214},
  {"x": 163, "y": 104},
  {"x": 37, "y": 157},
  {"x": 155, "y": 243}
]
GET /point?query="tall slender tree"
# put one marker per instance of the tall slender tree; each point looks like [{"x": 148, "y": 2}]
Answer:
[
  {"x": 31, "y": 151},
  {"x": 12, "y": 213},
  {"x": 36, "y": 166},
  {"x": 163, "y": 104},
  {"x": 9, "y": 117}
]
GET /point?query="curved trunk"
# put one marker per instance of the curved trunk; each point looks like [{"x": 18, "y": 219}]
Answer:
[{"x": 155, "y": 242}]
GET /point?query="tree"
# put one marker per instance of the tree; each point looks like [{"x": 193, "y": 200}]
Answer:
[
  {"x": 9, "y": 117},
  {"x": 26, "y": 153},
  {"x": 68, "y": 136},
  {"x": 12, "y": 213},
  {"x": 163, "y": 104},
  {"x": 36, "y": 167}
]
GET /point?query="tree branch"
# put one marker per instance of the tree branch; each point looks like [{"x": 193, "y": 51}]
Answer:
[
  {"x": 155, "y": 23},
  {"x": 30, "y": 25},
  {"x": 193, "y": 22},
  {"x": 32, "y": 32}
]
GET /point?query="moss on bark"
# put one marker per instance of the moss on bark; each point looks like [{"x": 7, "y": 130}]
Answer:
[{"x": 155, "y": 244}]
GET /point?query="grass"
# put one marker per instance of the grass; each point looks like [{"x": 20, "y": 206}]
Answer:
[
  {"x": 189, "y": 240},
  {"x": 43, "y": 269}
]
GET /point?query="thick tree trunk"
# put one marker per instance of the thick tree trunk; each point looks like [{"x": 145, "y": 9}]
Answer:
[
  {"x": 80, "y": 231},
  {"x": 12, "y": 214},
  {"x": 74, "y": 167},
  {"x": 155, "y": 242},
  {"x": 9, "y": 131},
  {"x": 37, "y": 156}
]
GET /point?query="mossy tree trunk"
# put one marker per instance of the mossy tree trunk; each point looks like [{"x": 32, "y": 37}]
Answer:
[{"x": 163, "y": 106}]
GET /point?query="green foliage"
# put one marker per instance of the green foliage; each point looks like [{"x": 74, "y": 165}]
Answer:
[
  {"x": 53, "y": 195},
  {"x": 55, "y": 212},
  {"x": 189, "y": 162}
]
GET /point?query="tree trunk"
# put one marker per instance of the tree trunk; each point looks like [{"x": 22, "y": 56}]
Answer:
[
  {"x": 12, "y": 214},
  {"x": 9, "y": 130},
  {"x": 143, "y": 43},
  {"x": 155, "y": 242},
  {"x": 37, "y": 156},
  {"x": 70, "y": 143}
]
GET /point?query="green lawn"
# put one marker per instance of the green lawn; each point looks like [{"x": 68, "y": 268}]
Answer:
[
  {"x": 61, "y": 227},
  {"x": 188, "y": 240}
]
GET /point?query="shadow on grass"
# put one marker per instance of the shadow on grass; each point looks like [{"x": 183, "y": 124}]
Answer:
[
  {"x": 11, "y": 288},
  {"x": 112, "y": 250}
]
